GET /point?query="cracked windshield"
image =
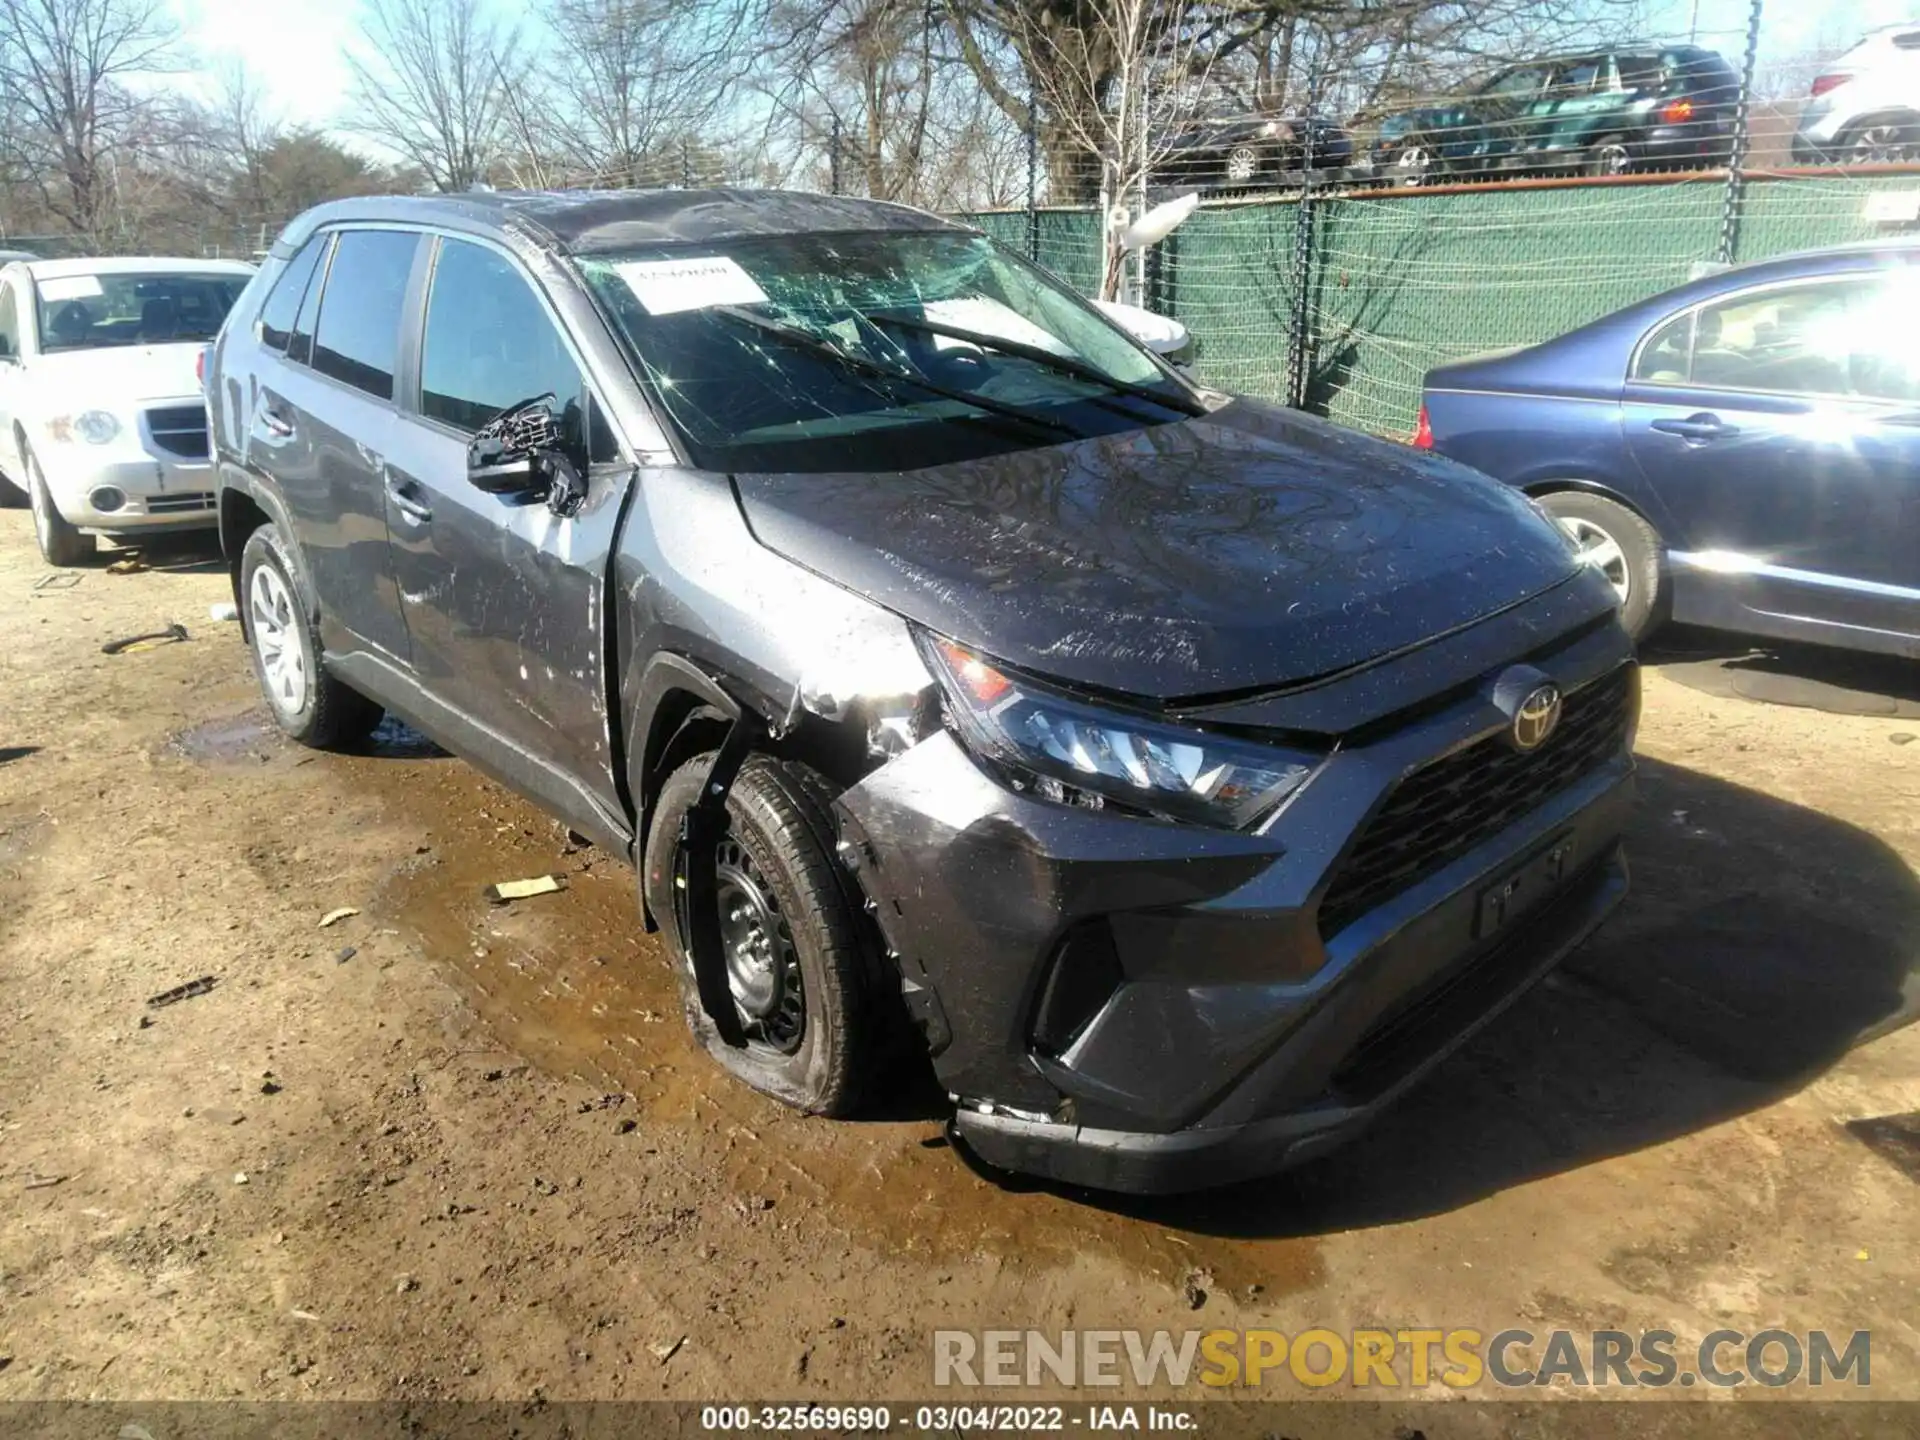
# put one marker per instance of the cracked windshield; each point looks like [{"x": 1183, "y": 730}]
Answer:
[{"x": 809, "y": 352}]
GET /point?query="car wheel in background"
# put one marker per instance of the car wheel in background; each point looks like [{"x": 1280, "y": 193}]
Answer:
[
  {"x": 12, "y": 496},
  {"x": 308, "y": 704},
  {"x": 1414, "y": 163},
  {"x": 60, "y": 543},
  {"x": 1243, "y": 165},
  {"x": 1884, "y": 140},
  {"x": 1621, "y": 546},
  {"x": 1609, "y": 155},
  {"x": 798, "y": 965}
]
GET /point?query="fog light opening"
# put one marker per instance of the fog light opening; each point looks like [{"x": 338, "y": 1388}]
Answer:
[
  {"x": 107, "y": 498},
  {"x": 1082, "y": 979}
]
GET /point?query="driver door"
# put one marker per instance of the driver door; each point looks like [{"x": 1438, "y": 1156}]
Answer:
[{"x": 505, "y": 601}]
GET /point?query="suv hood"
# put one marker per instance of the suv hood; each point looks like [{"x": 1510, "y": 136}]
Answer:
[
  {"x": 1248, "y": 549},
  {"x": 119, "y": 374}
]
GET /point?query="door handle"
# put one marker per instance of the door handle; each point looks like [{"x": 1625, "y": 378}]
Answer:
[
  {"x": 400, "y": 493},
  {"x": 275, "y": 423},
  {"x": 1697, "y": 429}
]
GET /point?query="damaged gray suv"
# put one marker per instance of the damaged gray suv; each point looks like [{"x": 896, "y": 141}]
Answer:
[{"x": 1182, "y": 775}]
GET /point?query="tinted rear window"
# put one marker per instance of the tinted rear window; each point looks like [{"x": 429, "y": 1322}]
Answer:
[{"x": 358, "y": 336}]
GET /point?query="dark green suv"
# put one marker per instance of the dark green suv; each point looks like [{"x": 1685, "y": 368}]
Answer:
[{"x": 1604, "y": 112}]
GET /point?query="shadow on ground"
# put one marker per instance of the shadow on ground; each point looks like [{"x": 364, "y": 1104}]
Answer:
[
  {"x": 1762, "y": 941},
  {"x": 1839, "y": 682}
]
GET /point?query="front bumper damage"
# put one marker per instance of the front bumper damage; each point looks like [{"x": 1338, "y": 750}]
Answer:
[{"x": 1135, "y": 1005}]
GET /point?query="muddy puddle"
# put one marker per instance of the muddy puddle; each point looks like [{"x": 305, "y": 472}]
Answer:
[
  {"x": 250, "y": 738},
  {"x": 571, "y": 983}
]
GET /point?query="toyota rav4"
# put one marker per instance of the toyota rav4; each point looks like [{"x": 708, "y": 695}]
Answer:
[{"x": 1182, "y": 774}]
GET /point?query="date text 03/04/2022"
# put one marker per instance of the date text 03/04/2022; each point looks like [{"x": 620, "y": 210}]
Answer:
[{"x": 944, "y": 1419}]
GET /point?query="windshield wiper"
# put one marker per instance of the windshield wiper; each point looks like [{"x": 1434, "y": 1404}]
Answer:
[
  {"x": 806, "y": 340},
  {"x": 1046, "y": 359}
]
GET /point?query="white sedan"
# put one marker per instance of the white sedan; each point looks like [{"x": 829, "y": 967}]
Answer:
[{"x": 102, "y": 420}]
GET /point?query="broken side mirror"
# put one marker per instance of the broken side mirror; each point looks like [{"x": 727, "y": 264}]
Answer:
[{"x": 518, "y": 456}]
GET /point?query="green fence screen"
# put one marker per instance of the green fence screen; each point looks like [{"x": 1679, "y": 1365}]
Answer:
[{"x": 1399, "y": 283}]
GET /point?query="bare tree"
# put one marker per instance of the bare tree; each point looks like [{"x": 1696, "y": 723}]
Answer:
[
  {"x": 1112, "y": 88},
  {"x": 432, "y": 87},
  {"x": 74, "y": 115},
  {"x": 242, "y": 132},
  {"x": 637, "y": 78}
]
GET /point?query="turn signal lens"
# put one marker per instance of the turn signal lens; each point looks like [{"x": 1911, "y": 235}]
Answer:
[
  {"x": 1824, "y": 83},
  {"x": 1676, "y": 112},
  {"x": 1423, "y": 431},
  {"x": 982, "y": 682}
]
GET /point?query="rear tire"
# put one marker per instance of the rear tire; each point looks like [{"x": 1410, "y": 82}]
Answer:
[
  {"x": 805, "y": 984},
  {"x": 61, "y": 544},
  {"x": 1881, "y": 140},
  {"x": 1608, "y": 156},
  {"x": 308, "y": 704},
  {"x": 1623, "y": 547}
]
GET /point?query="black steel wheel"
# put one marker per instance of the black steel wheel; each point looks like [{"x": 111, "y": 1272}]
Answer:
[
  {"x": 801, "y": 966},
  {"x": 763, "y": 968}
]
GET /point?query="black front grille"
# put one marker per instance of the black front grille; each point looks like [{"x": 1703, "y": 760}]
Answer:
[
  {"x": 180, "y": 430},
  {"x": 1442, "y": 810}
]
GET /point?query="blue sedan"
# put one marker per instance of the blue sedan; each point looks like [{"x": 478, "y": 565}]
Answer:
[{"x": 1741, "y": 453}]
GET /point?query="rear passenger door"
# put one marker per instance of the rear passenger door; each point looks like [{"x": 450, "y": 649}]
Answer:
[
  {"x": 505, "y": 601},
  {"x": 322, "y": 417},
  {"x": 1781, "y": 426}
]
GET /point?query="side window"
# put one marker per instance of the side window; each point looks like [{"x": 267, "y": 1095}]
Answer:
[
  {"x": 283, "y": 302},
  {"x": 1576, "y": 78},
  {"x": 300, "y": 346},
  {"x": 9, "y": 322},
  {"x": 490, "y": 344},
  {"x": 1667, "y": 357},
  {"x": 1885, "y": 342},
  {"x": 358, "y": 336},
  {"x": 1795, "y": 339}
]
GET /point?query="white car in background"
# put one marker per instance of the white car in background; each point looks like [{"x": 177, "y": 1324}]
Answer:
[
  {"x": 1864, "y": 108},
  {"x": 103, "y": 424}
]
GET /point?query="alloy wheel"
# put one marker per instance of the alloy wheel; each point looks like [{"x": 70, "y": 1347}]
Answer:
[
  {"x": 1243, "y": 163},
  {"x": 763, "y": 968},
  {"x": 277, "y": 641},
  {"x": 1612, "y": 159},
  {"x": 1412, "y": 164},
  {"x": 1881, "y": 144},
  {"x": 1600, "y": 550}
]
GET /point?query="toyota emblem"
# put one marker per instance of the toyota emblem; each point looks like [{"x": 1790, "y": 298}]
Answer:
[{"x": 1537, "y": 717}]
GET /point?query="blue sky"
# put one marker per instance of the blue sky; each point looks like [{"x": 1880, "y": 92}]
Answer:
[{"x": 298, "y": 47}]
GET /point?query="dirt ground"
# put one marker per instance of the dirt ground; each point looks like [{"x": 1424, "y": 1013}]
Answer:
[{"x": 441, "y": 1149}]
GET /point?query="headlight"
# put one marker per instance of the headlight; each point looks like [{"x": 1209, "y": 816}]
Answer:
[
  {"x": 1071, "y": 752},
  {"x": 96, "y": 427}
]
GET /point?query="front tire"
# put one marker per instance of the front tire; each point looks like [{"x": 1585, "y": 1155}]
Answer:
[
  {"x": 1416, "y": 163},
  {"x": 1622, "y": 547},
  {"x": 60, "y": 543},
  {"x": 800, "y": 969},
  {"x": 308, "y": 704}
]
